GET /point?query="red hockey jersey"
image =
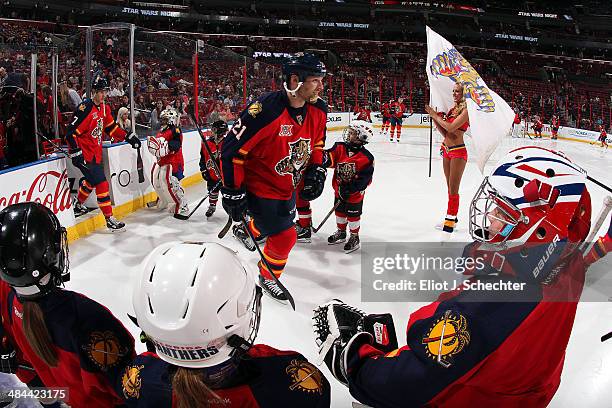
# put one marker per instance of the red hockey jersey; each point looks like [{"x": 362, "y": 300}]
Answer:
[
  {"x": 207, "y": 168},
  {"x": 85, "y": 131},
  {"x": 354, "y": 168},
  {"x": 271, "y": 144},
  {"x": 174, "y": 137},
  {"x": 364, "y": 114},
  {"x": 397, "y": 109}
]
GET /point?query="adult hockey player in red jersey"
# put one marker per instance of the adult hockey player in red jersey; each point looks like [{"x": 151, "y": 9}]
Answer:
[
  {"x": 483, "y": 348},
  {"x": 167, "y": 172},
  {"x": 275, "y": 146},
  {"x": 68, "y": 340},
  {"x": 207, "y": 168},
  {"x": 92, "y": 118},
  {"x": 363, "y": 113},
  {"x": 385, "y": 112},
  {"x": 554, "y": 126},
  {"x": 397, "y": 109},
  {"x": 537, "y": 127},
  {"x": 353, "y": 168},
  {"x": 603, "y": 136},
  {"x": 452, "y": 126},
  {"x": 199, "y": 309}
]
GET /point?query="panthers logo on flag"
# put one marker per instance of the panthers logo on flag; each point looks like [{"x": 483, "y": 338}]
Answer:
[
  {"x": 447, "y": 337},
  {"x": 295, "y": 162},
  {"x": 451, "y": 64},
  {"x": 346, "y": 171}
]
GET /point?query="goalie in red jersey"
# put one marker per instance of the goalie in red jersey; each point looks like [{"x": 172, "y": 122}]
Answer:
[
  {"x": 479, "y": 347},
  {"x": 167, "y": 173},
  {"x": 207, "y": 163},
  {"x": 91, "y": 119},
  {"x": 353, "y": 168}
]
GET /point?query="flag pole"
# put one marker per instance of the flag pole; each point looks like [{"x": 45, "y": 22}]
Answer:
[{"x": 430, "y": 143}]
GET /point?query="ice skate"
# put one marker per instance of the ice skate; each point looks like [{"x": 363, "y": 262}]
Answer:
[
  {"x": 352, "y": 244},
  {"x": 114, "y": 225},
  {"x": 337, "y": 237},
  {"x": 271, "y": 289}
]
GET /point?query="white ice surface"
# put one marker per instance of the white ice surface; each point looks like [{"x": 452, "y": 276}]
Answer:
[{"x": 402, "y": 204}]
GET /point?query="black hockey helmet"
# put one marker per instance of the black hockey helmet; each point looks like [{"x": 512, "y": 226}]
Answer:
[
  {"x": 219, "y": 129},
  {"x": 100, "y": 84},
  {"x": 33, "y": 249},
  {"x": 303, "y": 65}
]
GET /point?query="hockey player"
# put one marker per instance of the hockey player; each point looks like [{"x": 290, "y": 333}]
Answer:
[
  {"x": 603, "y": 136},
  {"x": 67, "y": 339},
  {"x": 397, "y": 109},
  {"x": 354, "y": 166},
  {"x": 199, "y": 309},
  {"x": 275, "y": 146},
  {"x": 452, "y": 126},
  {"x": 363, "y": 113},
  {"x": 385, "y": 111},
  {"x": 167, "y": 173},
  {"x": 554, "y": 126},
  {"x": 473, "y": 347},
  {"x": 91, "y": 119},
  {"x": 537, "y": 127},
  {"x": 207, "y": 168}
]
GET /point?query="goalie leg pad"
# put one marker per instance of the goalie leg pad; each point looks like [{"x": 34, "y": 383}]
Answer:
[
  {"x": 178, "y": 195},
  {"x": 160, "y": 178}
]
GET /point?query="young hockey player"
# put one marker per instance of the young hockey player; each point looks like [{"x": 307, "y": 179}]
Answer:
[
  {"x": 199, "y": 309},
  {"x": 554, "y": 126},
  {"x": 275, "y": 149},
  {"x": 167, "y": 173},
  {"x": 62, "y": 338},
  {"x": 92, "y": 118},
  {"x": 537, "y": 127},
  {"x": 207, "y": 168},
  {"x": 482, "y": 347},
  {"x": 354, "y": 166},
  {"x": 397, "y": 109}
]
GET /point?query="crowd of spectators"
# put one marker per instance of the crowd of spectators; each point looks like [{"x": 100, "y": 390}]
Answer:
[{"x": 361, "y": 73}]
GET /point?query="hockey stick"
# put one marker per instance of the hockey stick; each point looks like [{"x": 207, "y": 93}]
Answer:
[
  {"x": 265, "y": 262},
  {"x": 586, "y": 246},
  {"x": 186, "y": 217},
  {"x": 606, "y": 336},
  {"x": 227, "y": 226},
  {"x": 64, "y": 152},
  {"x": 139, "y": 166},
  {"x": 315, "y": 230},
  {"x": 600, "y": 184}
]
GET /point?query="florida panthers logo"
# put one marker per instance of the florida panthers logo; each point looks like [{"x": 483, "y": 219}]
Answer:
[
  {"x": 451, "y": 64},
  {"x": 299, "y": 154},
  {"x": 346, "y": 171},
  {"x": 447, "y": 337},
  {"x": 96, "y": 133}
]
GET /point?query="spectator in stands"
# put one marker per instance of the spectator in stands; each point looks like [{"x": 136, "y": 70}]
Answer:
[
  {"x": 159, "y": 107},
  {"x": 3, "y": 75},
  {"x": 215, "y": 115},
  {"x": 75, "y": 99},
  {"x": 123, "y": 119}
]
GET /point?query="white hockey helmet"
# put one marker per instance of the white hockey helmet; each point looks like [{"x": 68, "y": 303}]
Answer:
[
  {"x": 170, "y": 117},
  {"x": 359, "y": 128},
  {"x": 197, "y": 303}
]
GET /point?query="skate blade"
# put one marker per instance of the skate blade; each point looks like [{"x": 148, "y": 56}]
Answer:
[
  {"x": 305, "y": 240},
  {"x": 282, "y": 302},
  {"x": 337, "y": 242},
  {"x": 352, "y": 250},
  {"x": 250, "y": 248}
]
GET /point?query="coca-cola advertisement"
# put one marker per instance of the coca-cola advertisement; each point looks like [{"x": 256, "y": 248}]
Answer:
[{"x": 46, "y": 183}]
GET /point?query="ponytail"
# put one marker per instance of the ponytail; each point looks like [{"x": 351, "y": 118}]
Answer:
[
  {"x": 191, "y": 391},
  {"x": 36, "y": 333}
]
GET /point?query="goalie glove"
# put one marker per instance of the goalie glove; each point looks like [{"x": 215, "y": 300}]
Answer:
[
  {"x": 335, "y": 324},
  {"x": 158, "y": 146}
]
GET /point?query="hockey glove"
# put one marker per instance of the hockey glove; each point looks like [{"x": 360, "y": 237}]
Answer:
[
  {"x": 314, "y": 181},
  {"x": 335, "y": 324},
  {"x": 76, "y": 156},
  {"x": 133, "y": 140},
  {"x": 234, "y": 202},
  {"x": 381, "y": 327},
  {"x": 8, "y": 356}
]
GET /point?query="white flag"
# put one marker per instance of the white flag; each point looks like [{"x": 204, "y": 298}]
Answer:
[{"x": 490, "y": 116}]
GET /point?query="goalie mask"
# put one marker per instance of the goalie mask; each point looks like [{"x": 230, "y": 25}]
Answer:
[
  {"x": 33, "y": 250},
  {"x": 357, "y": 134},
  {"x": 531, "y": 212},
  {"x": 169, "y": 117},
  {"x": 197, "y": 303}
]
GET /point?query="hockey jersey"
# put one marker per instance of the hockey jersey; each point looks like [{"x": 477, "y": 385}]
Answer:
[
  {"x": 386, "y": 110},
  {"x": 603, "y": 135},
  {"x": 476, "y": 349},
  {"x": 354, "y": 168},
  {"x": 207, "y": 168},
  {"x": 271, "y": 144},
  {"x": 89, "y": 123},
  {"x": 397, "y": 109},
  {"x": 92, "y": 346},
  {"x": 538, "y": 125},
  {"x": 266, "y": 377},
  {"x": 174, "y": 137},
  {"x": 364, "y": 114},
  {"x": 555, "y": 123}
]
